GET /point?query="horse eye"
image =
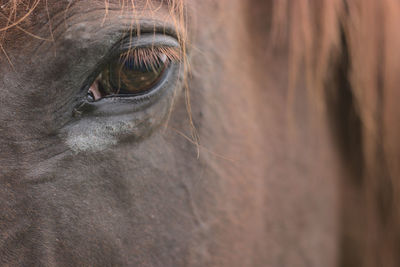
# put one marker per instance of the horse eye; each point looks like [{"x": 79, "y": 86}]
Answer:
[{"x": 133, "y": 73}]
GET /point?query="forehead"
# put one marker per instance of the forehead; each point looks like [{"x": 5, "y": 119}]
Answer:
[
  {"x": 22, "y": 11},
  {"x": 39, "y": 18},
  {"x": 27, "y": 23}
]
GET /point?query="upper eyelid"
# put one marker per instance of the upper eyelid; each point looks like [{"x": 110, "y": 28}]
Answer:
[{"x": 148, "y": 40}]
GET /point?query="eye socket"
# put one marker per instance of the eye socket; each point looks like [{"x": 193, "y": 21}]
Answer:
[{"x": 135, "y": 72}]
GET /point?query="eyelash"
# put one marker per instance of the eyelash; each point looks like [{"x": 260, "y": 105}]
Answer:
[{"x": 150, "y": 56}]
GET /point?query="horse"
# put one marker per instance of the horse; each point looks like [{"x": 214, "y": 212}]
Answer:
[{"x": 199, "y": 133}]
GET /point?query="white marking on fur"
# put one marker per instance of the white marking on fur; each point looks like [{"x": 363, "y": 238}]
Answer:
[{"x": 98, "y": 136}]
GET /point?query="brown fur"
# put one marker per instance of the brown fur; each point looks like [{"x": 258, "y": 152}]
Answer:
[
  {"x": 361, "y": 39},
  {"x": 350, "y": 50}
]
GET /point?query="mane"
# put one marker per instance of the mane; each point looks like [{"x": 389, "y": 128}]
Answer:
[{"x": 350, "y": 51}]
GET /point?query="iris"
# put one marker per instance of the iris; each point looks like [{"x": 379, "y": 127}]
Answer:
[{"x": 133, "y": 73}]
